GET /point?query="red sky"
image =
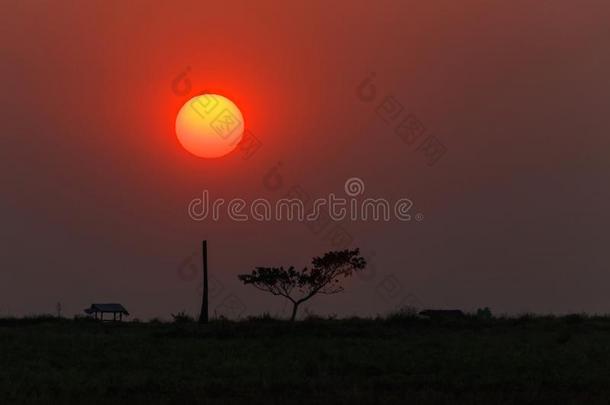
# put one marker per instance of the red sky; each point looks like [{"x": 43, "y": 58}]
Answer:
[{"x": 95, "y": 186}]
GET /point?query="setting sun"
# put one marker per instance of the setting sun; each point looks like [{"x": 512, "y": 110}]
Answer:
[{"x": 209, "y": 125}]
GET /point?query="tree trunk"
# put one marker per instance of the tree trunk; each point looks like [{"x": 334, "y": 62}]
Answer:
[
  {"x": 295, "y": 306},
  {"x": 203, "y": 316}
]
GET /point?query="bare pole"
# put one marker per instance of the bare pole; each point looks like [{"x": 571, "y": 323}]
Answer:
[{"x": 203, "y": 317}]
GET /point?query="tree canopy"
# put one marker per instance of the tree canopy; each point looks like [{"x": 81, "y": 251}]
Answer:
[{"x": 323, "y": 277}]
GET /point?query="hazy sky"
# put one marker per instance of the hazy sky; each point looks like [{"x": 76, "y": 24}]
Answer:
[{"x": 95, "y": 185}]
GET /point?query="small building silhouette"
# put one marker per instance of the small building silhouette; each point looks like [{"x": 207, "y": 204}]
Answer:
[
  {"x": 102, "y": 309},
  {"x": 442, "y": 313}
]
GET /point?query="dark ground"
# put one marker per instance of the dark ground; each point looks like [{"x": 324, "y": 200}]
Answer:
[{"x": 399, "y": 359}]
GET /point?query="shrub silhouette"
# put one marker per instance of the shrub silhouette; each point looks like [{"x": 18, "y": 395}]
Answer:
[
  {"x": 182, "y": 317},
  {"x": 299, "y": 286},
  {"x": 484, "y": 313}
]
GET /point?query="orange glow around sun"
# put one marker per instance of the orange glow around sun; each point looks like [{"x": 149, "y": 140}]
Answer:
[{"x": 209, "y": 126}]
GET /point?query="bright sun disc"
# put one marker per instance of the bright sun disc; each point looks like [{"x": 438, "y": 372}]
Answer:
[{"x": 209, "y": 126}]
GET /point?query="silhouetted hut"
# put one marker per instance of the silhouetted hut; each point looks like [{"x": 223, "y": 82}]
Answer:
[
  {"x": 442, "y": 313},
  {"x": 102, "y": 309}
]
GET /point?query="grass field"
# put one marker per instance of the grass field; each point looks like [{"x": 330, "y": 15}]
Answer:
[{"x": 398, "y": 359}]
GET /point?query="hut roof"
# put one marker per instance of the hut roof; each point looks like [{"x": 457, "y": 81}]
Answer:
[
  {"x": 442, "y": 313},
  {"x": 118, "y": 308}
]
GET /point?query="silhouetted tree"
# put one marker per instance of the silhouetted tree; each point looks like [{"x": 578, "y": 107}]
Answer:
[{"x": 299, "y": 286}]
